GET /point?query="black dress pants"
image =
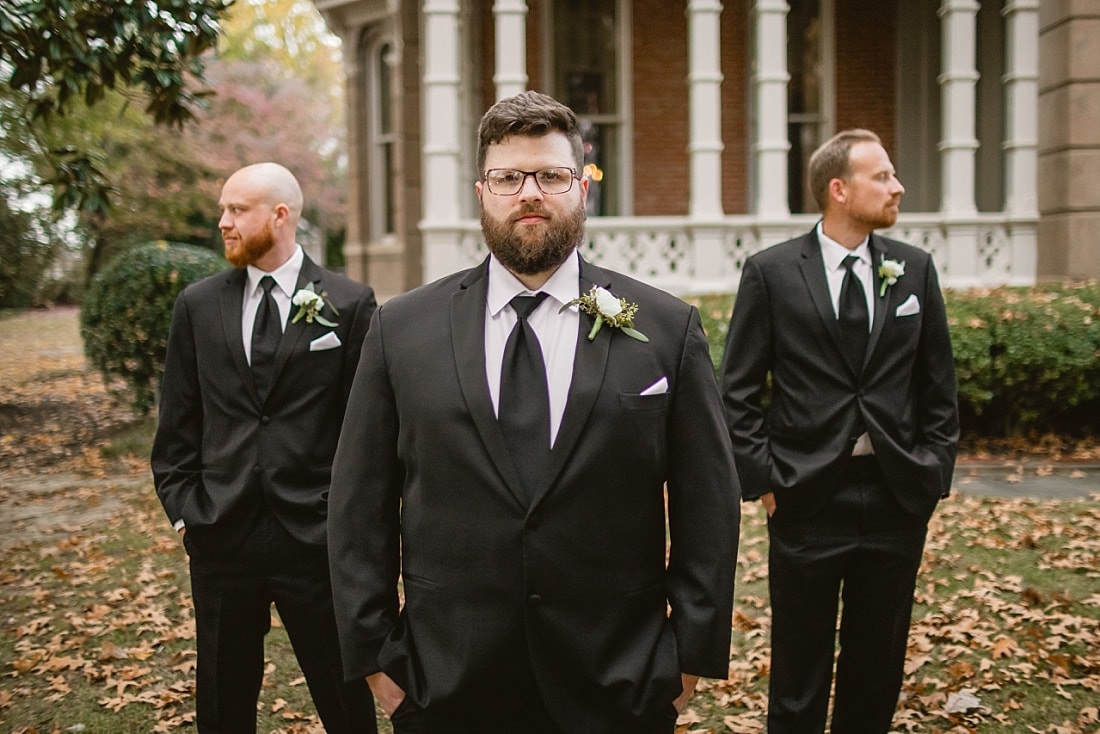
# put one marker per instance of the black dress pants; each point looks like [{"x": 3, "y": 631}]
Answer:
[
  {"x": 860, "y": 550},
  {"x": 233, "y": 594}
]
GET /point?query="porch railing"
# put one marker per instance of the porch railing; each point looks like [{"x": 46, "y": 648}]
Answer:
[{"x": 685, "y": 256}]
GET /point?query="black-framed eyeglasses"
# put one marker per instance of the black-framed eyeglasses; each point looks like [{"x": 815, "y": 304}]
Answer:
[{"x": 509, "y": 181}]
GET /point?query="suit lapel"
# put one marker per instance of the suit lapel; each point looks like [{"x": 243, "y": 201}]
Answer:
[
  {"x": 292, "y": 334},
  {"x": 468, "y": 342},
  {"x": 882, "y": 305},
  {"x": 232, "y": 305},
  {"x": 589, "y": 365},
  {"x": 813, "y": 273}
]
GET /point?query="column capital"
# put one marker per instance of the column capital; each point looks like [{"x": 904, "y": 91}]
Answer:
[{"x": 958, "y": 6}]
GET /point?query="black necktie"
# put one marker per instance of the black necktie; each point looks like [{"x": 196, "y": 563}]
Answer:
[
  {"x": 524, "y": 406},
  {"x": 266, "y": 333},
  {"x": 853, "y": 316}
]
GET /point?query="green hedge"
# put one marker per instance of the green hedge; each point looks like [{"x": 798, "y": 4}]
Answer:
[
  {"x": 127, "y": 312},
  {"x": 1027, "y": 359}
]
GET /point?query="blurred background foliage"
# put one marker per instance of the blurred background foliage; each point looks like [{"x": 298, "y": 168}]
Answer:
[{"x": 120, "y": 121}]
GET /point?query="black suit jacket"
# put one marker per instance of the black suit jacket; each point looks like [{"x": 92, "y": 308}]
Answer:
[
  {"x": 575, "y": 586},
  {"x": 220, "y": 453},
  {"x": 784, "y": 325}
]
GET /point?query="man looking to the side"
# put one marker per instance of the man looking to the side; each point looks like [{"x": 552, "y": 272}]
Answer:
[
  {"x": 857, "y": 444},
  {"x": 259, "y": 365}
]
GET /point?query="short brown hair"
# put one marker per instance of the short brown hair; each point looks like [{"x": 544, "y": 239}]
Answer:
[
  {"x": 531, "y": 114},
  {"x": 833, "y": 160}
]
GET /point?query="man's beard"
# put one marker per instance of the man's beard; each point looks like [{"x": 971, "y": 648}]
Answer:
[
  {"x": 248, "y": 250},
  {"x": 540, "y": 250},
  {"x": 877, "y": 219}
]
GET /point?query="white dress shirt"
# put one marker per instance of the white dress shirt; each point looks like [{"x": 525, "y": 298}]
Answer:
[
  {"x": 557, "y": 332},
  {"x": 286, "y": 277},
  {"x": 833, "y": 253}
]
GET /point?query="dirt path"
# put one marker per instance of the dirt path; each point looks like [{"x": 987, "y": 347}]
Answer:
[{"x": 55, "y": 415}]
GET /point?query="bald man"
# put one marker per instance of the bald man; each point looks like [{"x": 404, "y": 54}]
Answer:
[{"x": 259, "y": 365}]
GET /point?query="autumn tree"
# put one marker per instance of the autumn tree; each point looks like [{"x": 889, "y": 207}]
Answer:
[{"x": 60, "y": 52}]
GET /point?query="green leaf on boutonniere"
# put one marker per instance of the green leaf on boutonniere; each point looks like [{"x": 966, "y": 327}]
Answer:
[
  {"x": 607, "y": 309},
  {"x": 310, "y": 303}
]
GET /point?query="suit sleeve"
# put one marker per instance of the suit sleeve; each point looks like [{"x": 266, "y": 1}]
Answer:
[
  {"x": 176, "y": 458},
  {"x": 365, "y": 307},
  {"x": 364, "y": 512},
  {"x": 935, "y": 384},
  {"x": 703, "y": 514},
  {"x": 746, "y": 363}
]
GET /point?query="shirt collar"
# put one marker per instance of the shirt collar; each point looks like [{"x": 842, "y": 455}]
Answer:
[
  {"x": 286, "y": 275},
  {"x": 834, "y": 253},
  {"x": 563, "y": 286}
]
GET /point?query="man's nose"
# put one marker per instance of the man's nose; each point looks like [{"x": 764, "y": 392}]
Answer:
[{"x": 529, "y": 188}]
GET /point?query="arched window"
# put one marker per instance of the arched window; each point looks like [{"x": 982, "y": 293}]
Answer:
[{"x": 381, "y": 140}]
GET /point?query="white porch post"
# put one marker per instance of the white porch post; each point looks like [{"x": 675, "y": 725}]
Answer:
[
  {"x": 959, "y": 143},
  {"x": 441, "y": 225},
  {"x": 705, "y": 142},
  {"x": 705, "y": 103},
  {"x": 1021, "y": 81},
  {"x": 511, "y": 47},
  {"x": 770, "y": 82}
]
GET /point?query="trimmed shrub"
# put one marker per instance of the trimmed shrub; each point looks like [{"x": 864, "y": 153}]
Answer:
[
  {"x": 127, "y": 312},
  {"x": 1027, "y": 359}
]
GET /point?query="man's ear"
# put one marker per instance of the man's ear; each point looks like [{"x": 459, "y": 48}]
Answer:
[
  {"x": 838, "y": 191},
  {"x": 282, "y": 213}
]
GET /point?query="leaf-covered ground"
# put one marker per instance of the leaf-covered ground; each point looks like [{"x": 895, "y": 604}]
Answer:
[{"x": 96, "y": 629}]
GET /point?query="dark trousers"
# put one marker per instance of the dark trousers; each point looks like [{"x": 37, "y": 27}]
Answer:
[
  {"x": 534, "y": 722},
  {"x": 862, "y": 550},
  {"x": 521, "y": 711},
  {"x": 233, "y": 594}
]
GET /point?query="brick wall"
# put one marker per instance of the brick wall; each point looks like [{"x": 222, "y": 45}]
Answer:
[
  {"x": 866, "y": 86},
  {"x": 661, "y": 176}
]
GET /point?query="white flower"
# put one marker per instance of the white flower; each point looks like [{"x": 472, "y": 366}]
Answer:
[
  {"x": 605, "y": 307},
  {"x": 309, "y": 299},
  {"x": 609, "y": 305},
  {"x": 889, "y": 271},
  {"x": 310, "y": 303}
]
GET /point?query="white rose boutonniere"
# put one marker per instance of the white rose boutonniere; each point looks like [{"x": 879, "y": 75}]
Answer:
[
  {"x": 608, "y": 309},
  {"x": 310, "y": 303},
  {"x": 889, "y": 271}
]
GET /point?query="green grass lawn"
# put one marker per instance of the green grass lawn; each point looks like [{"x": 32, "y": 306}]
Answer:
[{"x": 98, "y": 631}]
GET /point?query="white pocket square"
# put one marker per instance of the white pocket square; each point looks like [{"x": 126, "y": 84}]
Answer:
[
  {"x": 328, "y": 341},
  {"x": 659, "y": 387},
  {"x": 909, "y": 308}
]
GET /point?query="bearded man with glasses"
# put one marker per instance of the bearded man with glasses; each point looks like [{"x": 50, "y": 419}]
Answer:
[{"x": 523, "y": 420}]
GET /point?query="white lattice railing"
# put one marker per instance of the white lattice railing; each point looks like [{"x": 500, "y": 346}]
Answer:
[{"x": 685, "y": 257}]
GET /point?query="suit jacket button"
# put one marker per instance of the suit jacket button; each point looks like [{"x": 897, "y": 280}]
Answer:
[
  {"x": 257, "y": 469},
  {"x": 265, "y": 420},
  {"x": 534, "y": 600}
]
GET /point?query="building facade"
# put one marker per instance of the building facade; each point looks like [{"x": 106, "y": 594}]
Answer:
[{"x": 699, "y": 118}]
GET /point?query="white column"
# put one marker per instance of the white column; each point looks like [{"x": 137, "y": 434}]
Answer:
[
  {"x": 957, "y": 85},
  {"x": 442, "y": 152},
  {"x": 770, "y": 82},
  {"x": 510, "y": 76},
  {"x": 1021, "y": 83},
  {"x": 958, "y": 82},
  {"x": 705, "y": 131},
  {"x": 705, "y": 107}
]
